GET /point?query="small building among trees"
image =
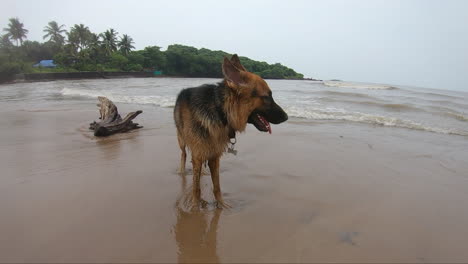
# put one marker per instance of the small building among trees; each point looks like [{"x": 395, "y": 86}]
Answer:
[{"x": 45, "y": 64}]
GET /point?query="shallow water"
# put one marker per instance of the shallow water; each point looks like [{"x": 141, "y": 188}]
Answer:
[{"x": 422, "y": 109}]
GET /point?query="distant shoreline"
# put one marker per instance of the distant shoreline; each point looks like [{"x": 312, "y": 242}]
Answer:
[{"x": 52, "y": 76}]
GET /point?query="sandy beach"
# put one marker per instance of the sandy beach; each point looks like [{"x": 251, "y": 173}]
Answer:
[
  {"x": 312, "y": 191},
  {"x": 330, "y": 192}
]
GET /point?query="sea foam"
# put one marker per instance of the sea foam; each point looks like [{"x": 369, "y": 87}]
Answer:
[
  {"x": 353, "y": 85},
  {"x": 159, "y": 100},
  {"x": 338, "y": 114}
]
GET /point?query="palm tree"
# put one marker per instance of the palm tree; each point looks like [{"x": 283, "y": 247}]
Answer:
[
  {"x": 73, "y": 40},
  {"x": 125, "y": 44},
  {"x": 79, "y": 36},
  {"x": 5, "y": 42},
  {"x": 54, "y": 32},
  {"x": 109, "y": 41},
  {"x": 6, "y": 47},
  {"x": 95, "y": 47},
  {"x": 16, "y": 30},
  {"x": 95, "y": 42}
]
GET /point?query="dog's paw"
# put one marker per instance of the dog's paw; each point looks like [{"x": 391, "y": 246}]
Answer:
[
  {"x": 223, "y": 205},
  {"x": 203, "y": 204},
  {"x": 199, "y": 205}
]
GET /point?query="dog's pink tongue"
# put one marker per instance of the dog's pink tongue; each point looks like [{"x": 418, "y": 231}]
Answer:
[{"x": 266, "y": 123}]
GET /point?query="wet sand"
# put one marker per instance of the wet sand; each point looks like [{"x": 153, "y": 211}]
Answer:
[{"x": 328, "y": 192}]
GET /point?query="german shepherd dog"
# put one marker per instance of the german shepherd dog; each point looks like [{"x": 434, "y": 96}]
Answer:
[{"x": 208, "y": 117}]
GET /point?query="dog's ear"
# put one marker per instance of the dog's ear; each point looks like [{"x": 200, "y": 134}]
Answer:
[
  {"x": 236, "y": 62},
  {"x": 231, "y": 73}
]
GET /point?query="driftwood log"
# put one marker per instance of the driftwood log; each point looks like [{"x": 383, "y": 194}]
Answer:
[{"x": 111, "y": 121}]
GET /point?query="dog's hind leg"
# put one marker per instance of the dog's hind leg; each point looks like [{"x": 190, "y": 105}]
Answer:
[
  {"x": 196, "y": 191},
  {"x": 183, "y": 156},
  {"x": 214, "y": 169}
]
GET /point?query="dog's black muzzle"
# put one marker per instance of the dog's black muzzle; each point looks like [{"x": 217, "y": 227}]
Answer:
[{"x": 270, "y": 112}]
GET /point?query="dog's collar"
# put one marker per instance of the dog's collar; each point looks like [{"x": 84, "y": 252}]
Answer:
[{"x": 232, "y": 134}]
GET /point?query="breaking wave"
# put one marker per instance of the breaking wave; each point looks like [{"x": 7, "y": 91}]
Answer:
[
  {"x": 346, "y": 94},
  {"x": 375, "y": 103},
  {"x": 322, "y": 105},
  {"x": 162, "y": 101},
  {"x": 353, "y": 85},
  {"x": 343, "y": 115}
]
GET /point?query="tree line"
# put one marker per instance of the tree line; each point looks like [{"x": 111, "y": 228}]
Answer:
[{"x": 79, "y": 49}]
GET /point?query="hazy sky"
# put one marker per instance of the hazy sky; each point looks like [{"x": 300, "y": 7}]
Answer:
[{"x": 418, "y": 43}]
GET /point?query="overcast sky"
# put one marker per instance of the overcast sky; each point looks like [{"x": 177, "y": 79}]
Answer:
[{"x": 418, "y": 43}]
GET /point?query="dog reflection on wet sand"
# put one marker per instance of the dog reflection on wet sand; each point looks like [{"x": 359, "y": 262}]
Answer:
[{"x": 195, "y": 231}]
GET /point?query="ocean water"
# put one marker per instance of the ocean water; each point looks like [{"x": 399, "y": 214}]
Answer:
[{"x": 427, "y": 110}]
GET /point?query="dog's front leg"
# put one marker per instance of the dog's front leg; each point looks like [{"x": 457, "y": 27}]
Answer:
[
  {"x": 214, "y": 169},
  {"x": 197, "y": 168}
]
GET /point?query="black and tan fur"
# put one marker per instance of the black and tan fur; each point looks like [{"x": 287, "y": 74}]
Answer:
[{"x": 207, "y": 117}]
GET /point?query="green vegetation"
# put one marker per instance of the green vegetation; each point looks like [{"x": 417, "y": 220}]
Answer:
[
  {"x": 16, "y": 30},
  {"x": 79, "y": 49}
]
